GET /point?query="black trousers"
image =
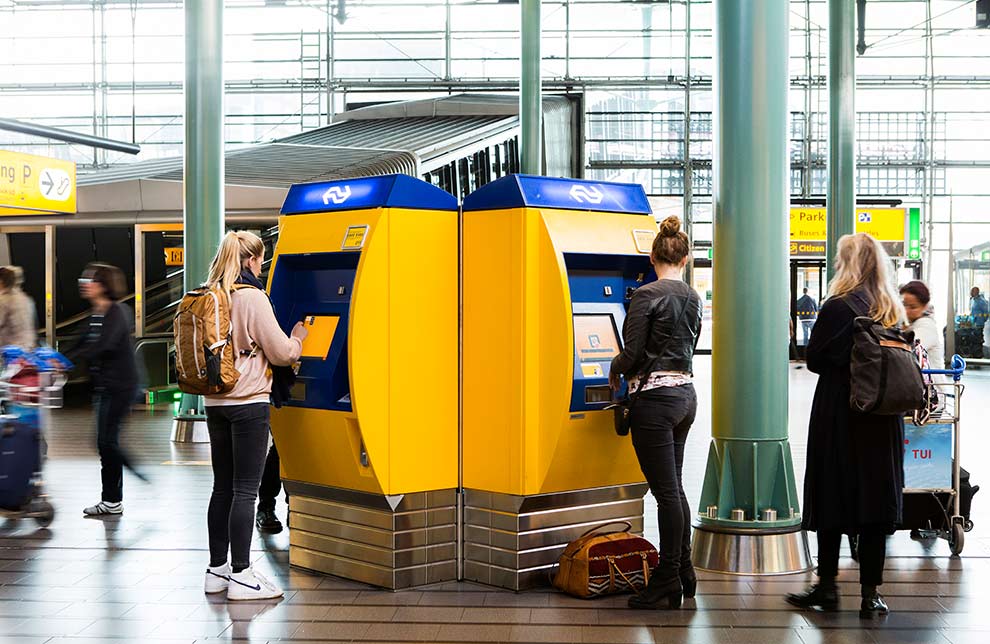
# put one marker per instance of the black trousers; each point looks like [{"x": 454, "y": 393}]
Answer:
[
  {"x": 271, "y": 481},
  {"x": 112, "y": 408},
  {"x": 872, "y": 554},
  {"x": 661, "y": 420},
  {"x": 238, "y": 445}
]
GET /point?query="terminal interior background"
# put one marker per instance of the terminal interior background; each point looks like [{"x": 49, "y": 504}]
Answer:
[{"x": 429, "y": 88}]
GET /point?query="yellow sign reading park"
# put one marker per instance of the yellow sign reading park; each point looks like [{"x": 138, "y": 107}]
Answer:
[{"x": 33, "y": 185}]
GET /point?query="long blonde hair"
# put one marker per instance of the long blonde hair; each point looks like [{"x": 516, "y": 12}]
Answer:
[
  {"x": 235, "y": 249},
  {"x": 862, "y": 264}
]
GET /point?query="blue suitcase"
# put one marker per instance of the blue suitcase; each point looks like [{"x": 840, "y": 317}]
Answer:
[{"x": 20, "y": 458}]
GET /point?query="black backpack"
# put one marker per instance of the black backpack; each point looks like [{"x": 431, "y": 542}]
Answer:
[{"x": 885, "y": 375}]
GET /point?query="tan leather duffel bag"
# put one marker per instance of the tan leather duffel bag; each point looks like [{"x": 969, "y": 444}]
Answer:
[{"x": 598, "y": 563}]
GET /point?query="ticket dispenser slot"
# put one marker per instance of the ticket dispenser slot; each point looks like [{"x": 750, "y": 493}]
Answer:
[{"x": 315, "y": 289}]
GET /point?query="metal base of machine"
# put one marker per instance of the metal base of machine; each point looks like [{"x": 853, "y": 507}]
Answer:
[
  {"x": 514, "y": 542},
  {"x": 190, "y": 429},
  {"x": 751, "y": 552},
  {"x": 393, "y": 542}
]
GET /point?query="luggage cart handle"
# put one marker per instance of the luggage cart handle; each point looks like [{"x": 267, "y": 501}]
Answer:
[{"x": 958, "y": 367}]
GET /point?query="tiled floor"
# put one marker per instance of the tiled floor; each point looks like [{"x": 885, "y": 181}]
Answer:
[{"x": 137, "y": 578}]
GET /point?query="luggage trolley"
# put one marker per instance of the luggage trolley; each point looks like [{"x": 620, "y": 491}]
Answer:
[
  {"x": 931, "y": 463},
  {"x": 30, "y": 387}
]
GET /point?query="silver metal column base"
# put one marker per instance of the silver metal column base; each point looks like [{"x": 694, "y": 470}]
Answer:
[
  {"x": 190, "y": 429},
  {"x": 751, "y": 552},
  {"x": 514, "y": 542},
  {"x": 393, "y": 542}
]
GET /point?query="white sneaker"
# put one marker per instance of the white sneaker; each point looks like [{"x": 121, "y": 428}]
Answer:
[
  {"x": 103, "y": 508},
  {"x": 217, "y": 579},
  {"x": 249, "y": 584}
]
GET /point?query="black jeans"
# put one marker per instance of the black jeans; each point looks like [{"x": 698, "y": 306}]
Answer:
[
  {"x": 238, "y": 445},
  {"x": 112, "y": 408},
  {"x": 661, "y": 420},
  {"x": 271, "y": 481},
  {"x": 872, "y": 553}
]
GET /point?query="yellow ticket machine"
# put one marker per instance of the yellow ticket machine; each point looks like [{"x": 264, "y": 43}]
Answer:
[
  {"x": 368, "y": 440},
  {"x": 548, "y": 268}
]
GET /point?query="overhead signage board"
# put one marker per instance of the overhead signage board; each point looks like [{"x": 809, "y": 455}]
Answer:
[
  {"x": 33, "y": 185},
  {"x": 809, "y": 226}
]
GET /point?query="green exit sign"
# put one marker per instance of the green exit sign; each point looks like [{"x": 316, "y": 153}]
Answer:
[
  {"x": 985, "y": 256},
  {"x": 711, "y": 253}
]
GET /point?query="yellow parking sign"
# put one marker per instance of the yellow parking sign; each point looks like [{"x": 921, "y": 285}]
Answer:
[{"x": 31, "y": 184}]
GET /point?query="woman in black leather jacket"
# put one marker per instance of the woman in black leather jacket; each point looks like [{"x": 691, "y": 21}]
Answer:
[{"x": 659, "y": 337}]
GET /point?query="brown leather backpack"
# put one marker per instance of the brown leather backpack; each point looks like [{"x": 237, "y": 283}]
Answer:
[
  {"x": 204, "y": 351},
  {"x": 597, "y": 564}
]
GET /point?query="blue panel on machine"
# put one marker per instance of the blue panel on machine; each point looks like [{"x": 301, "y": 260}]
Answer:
[
  {"x": 521, "y": 190},
  {"x": 388, "y": 191}
]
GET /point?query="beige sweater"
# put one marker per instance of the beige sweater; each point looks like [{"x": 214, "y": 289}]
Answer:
[
  {"x": 255, "y": 327},
  {"x": 17, "y": 323}
]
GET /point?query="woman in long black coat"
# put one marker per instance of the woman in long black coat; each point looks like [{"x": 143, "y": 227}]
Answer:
[{"x": 855, "y": 466}]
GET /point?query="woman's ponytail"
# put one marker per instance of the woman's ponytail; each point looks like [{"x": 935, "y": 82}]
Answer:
[{"x": 235, "y": 248}]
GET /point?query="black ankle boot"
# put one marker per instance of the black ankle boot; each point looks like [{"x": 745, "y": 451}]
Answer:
[
  {"x": 824, "y": 595},
  {"x": 873, "y": 603},
  {"x": 689, "y": 580},
  {"x": 660, "y": 593}
]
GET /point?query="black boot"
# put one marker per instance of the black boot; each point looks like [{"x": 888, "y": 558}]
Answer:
[
  {"x": 873, "y": 603},
  {"x": 268, "y": 522},
  {"x": 689, "y": 580},
  {"x": 824, "y": 595},
  {"x": 662, "y": 592}
]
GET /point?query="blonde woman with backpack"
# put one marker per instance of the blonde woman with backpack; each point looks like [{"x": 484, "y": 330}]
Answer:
[
  {"x": 854, "y": 479},
  {"x": 238, "y": 420}
]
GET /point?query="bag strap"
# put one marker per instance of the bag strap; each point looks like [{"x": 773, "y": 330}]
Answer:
[
  {"x": 614, "y": 566},
  {"x": 646, "y": 374},
  {"x": 602, "y": 525}
]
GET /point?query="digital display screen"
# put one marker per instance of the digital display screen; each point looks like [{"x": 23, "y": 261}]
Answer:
[
  {"x": 595, "y": 338},
  {"x": 321, "y": 331}
]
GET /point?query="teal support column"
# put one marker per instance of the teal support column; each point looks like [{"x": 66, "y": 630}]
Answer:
[
  {"x": 749, "y": 519},
  {"x": 530, "y": 90},
  {"x": 203, "y": 173},
  {"x": 841, "y": 197}
]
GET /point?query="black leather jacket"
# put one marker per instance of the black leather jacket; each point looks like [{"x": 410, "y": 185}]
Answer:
[{"x": 661, "y": 329}]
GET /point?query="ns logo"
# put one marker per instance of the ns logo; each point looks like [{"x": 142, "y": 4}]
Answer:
[
  {"x": 586, "y": 194},
  {"x": 336, "y": 194}
]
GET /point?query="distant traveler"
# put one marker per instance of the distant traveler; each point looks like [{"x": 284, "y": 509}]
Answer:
[
  {"x": 921, "y": 320},
  {"x": 979, "y": 308},
  {"x": 855, "y": 462},
  {"x": 271, "y": 485},
  {"x": 107, "y": 347},
  {"x": 659, "y": 338},
  {"x": 17, "y": 320},
  {"x": 238, "y": 420},
  {"x": 807, "y": 312}
]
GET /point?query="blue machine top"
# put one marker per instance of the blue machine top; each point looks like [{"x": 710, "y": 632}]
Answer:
[
  {"x": 520, "y": 190},
  {"x": 387, "y": 191}
]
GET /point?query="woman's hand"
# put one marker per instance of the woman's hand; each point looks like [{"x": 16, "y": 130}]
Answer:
[
  {"x": 300, "y": 331},
  {"x": 614, "y": 380}
]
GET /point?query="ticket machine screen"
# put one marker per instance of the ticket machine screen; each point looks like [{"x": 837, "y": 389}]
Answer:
[{"x": 596, "y": 342}]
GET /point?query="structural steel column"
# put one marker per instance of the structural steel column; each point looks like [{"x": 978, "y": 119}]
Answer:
[
  {"x": 531, "y": 90},
  {"x": 841, "y": 199},
  {"x": 203, "y": 175},
  {"x": 749, "y": 519}
]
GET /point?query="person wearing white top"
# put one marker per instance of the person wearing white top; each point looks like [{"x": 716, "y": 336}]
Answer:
[{"x": 921, "y": 320}]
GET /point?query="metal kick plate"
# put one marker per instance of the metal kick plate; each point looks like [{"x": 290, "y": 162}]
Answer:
[
  {"x": 373, "y": 536},
  {"x": 384, "y": 557},
  {"x": 508, "y": 540},
  {"x": 371, "y": 574},
  {"x": 513, "y": 559},
  {"x": 552, "y": 518},
  {"x": 375, "y": 518},
  {"x": 505, "y": 578},
  {"x": 539, "y": 502}
]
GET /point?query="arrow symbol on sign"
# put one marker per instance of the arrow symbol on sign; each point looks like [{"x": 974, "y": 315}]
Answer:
[
  {"x": 336, "y": 194},
  {"x": 46, "y": 181}
]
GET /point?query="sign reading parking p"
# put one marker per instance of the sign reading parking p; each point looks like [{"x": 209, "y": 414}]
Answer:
[{"x": 33, "y": 185}]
